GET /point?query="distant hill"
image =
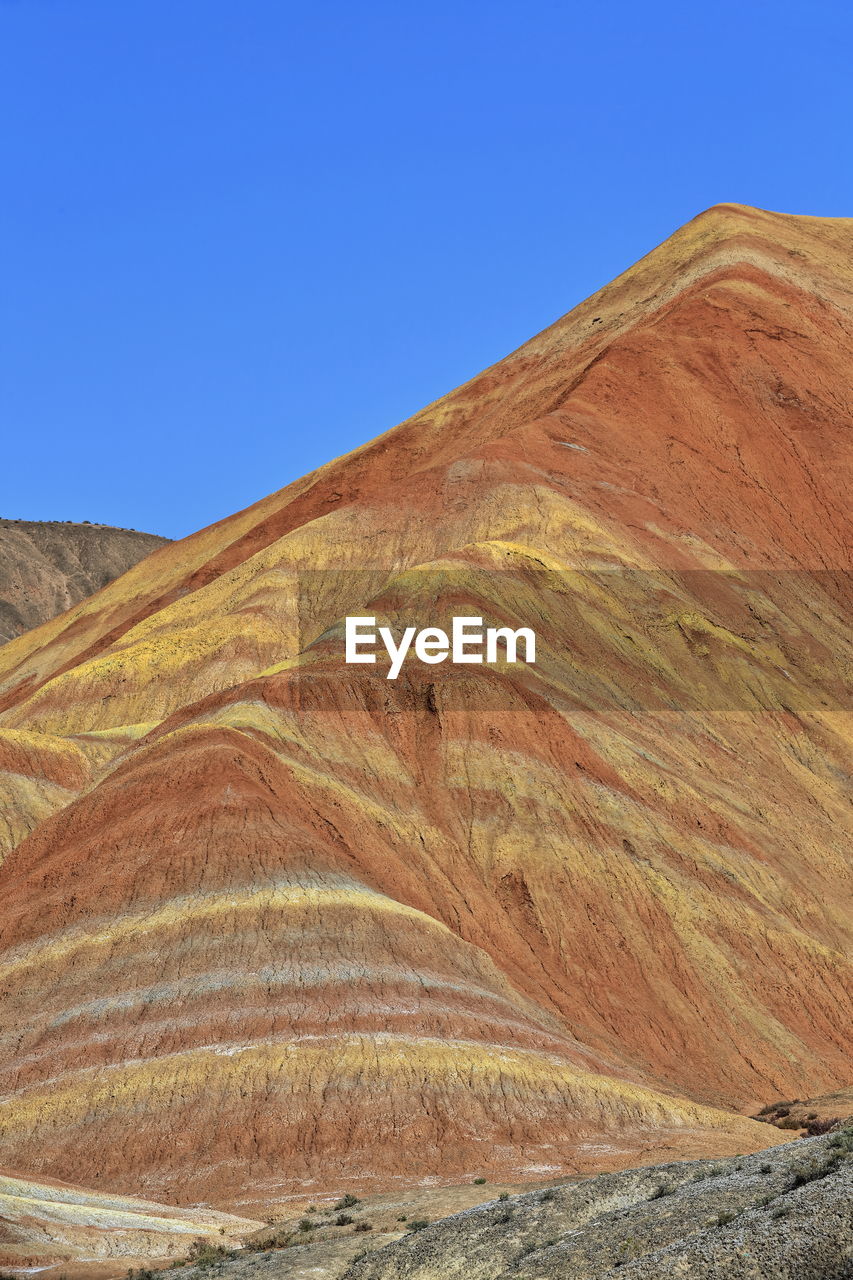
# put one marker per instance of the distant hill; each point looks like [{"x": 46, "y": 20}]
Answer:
[{"x": 48, "y": 566}]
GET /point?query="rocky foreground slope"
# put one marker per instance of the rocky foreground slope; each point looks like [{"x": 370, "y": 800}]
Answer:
[
  {"x": 48, "y": 566},
  {"x": 269, "y": 922},
  {"x": 785, "y": 1215}
]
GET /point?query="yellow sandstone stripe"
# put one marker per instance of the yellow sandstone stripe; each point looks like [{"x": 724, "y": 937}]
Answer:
[
  {"x": 297, "y": 1067},
  {"x": 208, "y": 908}
]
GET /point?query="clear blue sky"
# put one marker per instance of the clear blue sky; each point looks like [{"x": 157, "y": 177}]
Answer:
[{"x": 240, "y": 237}]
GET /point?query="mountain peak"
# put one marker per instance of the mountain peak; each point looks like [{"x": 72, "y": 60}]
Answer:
[{"x": 271, "y": 919}]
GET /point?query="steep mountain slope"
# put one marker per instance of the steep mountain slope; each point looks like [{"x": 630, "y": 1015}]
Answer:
[
  {"x": 282, "y": 920},
  {"x": 47, "y": 566}
]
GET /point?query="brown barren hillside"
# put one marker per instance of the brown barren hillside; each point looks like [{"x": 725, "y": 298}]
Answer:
[
  {"x": 271, "y": 922},
  {"x": 48, "y": 566}
]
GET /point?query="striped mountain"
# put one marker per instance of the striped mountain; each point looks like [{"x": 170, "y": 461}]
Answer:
[{"x": 272, "y": 923}]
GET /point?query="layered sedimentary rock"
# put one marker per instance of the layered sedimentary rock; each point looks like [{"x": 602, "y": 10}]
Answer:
[
  {"x": 47, "y": 1223},
  {"x": 291, "y": 922},
  {"x": 47, "y": 566}
]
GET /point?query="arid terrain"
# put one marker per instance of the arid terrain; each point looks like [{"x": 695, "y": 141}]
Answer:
[
  {"x": 47, "y": 566},
  {"x": 275, "y": 928},
  {"x": 48, "y": 1225},
  {"x": 785, "y": 1214}
]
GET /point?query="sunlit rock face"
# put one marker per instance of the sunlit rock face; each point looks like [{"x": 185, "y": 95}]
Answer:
[{"x": 272, "y": 922}]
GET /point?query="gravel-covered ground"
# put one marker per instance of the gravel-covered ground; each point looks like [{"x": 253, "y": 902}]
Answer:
[{"x": 782, "y": 1214}]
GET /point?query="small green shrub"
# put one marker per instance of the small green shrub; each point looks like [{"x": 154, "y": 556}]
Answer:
[
  {"x": 419, "y": 1224},
  {"x": 842, "y": 1141},
  {"x": 343, "y": 1220},
  {"x": 363, "y": 1226},
  {"x": 305, "y": 1224},
  {"x": 803, "y": 1174},
  {"x": 725, "y": 1216},
  {"x": 203, "y": 1254},
  {"x": 628, "y": 1250},
  {"x": 819, "y": 1127},
  {"x": 504, "y": 1195},
  {"x": 347, "y": 1201},
  {"x": 479, "y": 1182}
]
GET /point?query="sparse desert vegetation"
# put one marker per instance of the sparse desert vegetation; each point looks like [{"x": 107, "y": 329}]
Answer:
[{"x": 790, "y": 1203}]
